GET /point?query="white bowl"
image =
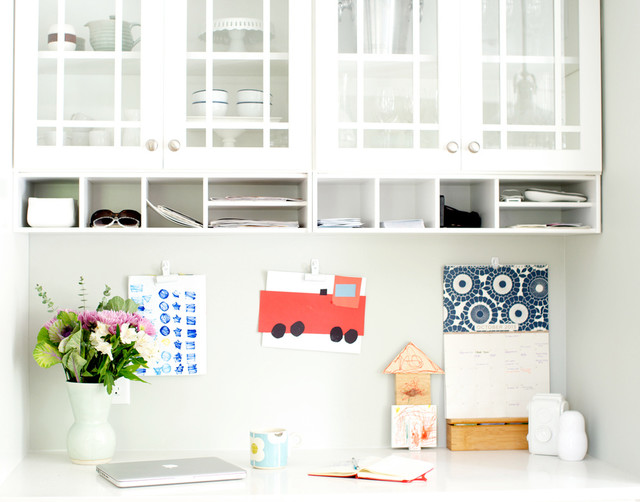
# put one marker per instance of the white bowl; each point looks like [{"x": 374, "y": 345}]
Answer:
[
  {"x": 250, "y": 109},
  {"x": 245, "y": 95},
  {"x": 218, "y": 108},
  {"x": 214, "y": 95}
]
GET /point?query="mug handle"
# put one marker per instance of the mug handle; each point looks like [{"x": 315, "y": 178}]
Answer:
[{"x": 295, "y": 440}]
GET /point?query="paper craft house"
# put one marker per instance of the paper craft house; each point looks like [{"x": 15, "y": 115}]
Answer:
[{"x": 413, "y": 370}]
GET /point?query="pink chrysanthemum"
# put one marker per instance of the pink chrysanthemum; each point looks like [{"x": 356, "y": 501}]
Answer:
[
  {"x": 114, "y": 318},
  {"x": 88, "y": 318}
]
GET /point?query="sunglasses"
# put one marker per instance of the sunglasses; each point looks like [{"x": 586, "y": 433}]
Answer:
[{"x": 106, "y": 218}]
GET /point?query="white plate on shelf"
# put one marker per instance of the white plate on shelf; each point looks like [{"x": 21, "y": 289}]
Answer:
[
  {"x": 543, "y": 195},
  {"x": 175, "y": 216}
]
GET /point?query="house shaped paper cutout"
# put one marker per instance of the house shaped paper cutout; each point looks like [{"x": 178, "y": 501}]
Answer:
[{"x": 413, "y": 370}]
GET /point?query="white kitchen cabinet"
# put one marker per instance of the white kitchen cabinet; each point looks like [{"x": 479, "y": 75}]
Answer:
[
  {"x": 411, "y": 104},
  {"x": 120, "y": 96},
  {"x": 127, "y": 108},
  {"x": 458, "y": 86}
]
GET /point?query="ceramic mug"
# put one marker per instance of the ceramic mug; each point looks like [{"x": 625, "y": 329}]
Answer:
[{"x": 269, "y": 448}]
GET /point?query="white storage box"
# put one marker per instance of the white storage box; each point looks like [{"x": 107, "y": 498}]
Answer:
[{"x": 48, "y": 212}]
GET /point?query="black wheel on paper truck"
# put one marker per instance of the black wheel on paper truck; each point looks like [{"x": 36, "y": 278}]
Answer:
[
  {"x": 278, "y": 330},
  {"x": 351, "y": 336},
  {"x": 336, "y": 334},
  {"x": 297, "y": 328}
]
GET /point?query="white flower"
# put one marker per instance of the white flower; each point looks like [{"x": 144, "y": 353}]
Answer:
[
  {"x": 103, "y": 347},
  {"x": 101, "y": 330},
  {"x": 96, "y": 338},
  {"x": 146, "y": 347},
  {"x": 128, "y": 334},
  {"x": 257, "y": 449}
]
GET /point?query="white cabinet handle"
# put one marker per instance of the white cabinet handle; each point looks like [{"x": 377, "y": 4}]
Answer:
[
  {"x": 174, "y": 145},
  {"x": 474, "y": 147},
  {"x": 151, "y": 145},
  {"x": 452, "y": 147}
]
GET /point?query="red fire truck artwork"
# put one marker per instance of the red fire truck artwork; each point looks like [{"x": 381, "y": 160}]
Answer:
[{"x": 338, "y": 313}]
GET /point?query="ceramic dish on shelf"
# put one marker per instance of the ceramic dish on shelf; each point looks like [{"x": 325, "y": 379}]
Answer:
[
  {"x": 68, "y": 34},
  {"x": 236, "y": 31},
  {"x": 218, "y": 108},
  {"x": 250, "y": 95},
  {"x": 544, "y": 195},
  {"x": 175, "y": 216},
  {"x": 214, "y": 95}
]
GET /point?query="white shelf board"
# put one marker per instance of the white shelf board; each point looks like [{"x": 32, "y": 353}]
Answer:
[{"x": 499, "y": 476}]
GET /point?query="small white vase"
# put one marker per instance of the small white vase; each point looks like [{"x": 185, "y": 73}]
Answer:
[
  {"x": 572, "y": 438},
  {"x": 91, "y": 439}
]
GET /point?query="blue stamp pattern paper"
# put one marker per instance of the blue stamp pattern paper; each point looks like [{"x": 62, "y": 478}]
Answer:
[
  {"x": 177, "y": 310},
  {"x": 506, "y": 298}
]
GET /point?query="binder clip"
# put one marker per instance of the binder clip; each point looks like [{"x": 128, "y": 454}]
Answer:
[
  {"x": 315, "y": 271},
  {"x": 166, "y": 275}
]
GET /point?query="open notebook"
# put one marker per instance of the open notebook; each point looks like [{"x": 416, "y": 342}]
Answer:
[{"x": 391, "y": 468}]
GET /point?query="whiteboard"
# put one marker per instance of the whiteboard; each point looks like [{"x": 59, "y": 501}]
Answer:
[{"x": 491, "y": 375}]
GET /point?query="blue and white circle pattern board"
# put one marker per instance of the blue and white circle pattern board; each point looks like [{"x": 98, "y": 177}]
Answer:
[{"x": 484, "y": 298}]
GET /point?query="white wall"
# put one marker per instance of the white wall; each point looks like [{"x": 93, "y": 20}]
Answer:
[
  {"x": 334, "y": 400},
  {"x": 603, "y": 339},
  {"x": 13, "y": 258}
]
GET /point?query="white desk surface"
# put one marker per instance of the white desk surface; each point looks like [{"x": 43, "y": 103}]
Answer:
[{"x": 484, "y": 475}]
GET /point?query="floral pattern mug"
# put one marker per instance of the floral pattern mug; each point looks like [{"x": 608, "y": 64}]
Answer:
[{"x": 269, "y": 448}]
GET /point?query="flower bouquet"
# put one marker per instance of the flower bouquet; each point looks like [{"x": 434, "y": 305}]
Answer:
[{"x": 96, "y": 346}]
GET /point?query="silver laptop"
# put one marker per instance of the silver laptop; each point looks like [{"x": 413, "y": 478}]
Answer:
[{"x": 169, "y": 472}]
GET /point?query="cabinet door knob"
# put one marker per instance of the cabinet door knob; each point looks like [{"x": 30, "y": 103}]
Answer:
[
  {"x": 452, "y": 147},
  {"x": 152, "y": 145},
  {"x": 474, "y": 147},
  {"x": 174, "y": 145}
]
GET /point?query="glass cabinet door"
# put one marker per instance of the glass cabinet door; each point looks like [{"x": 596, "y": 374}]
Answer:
[
  {"x": 389, "y": 83},
  {"x": 237, "y": 84},
  {"x": 84, "y": 105},
  {"x": 532, "y": 85}
]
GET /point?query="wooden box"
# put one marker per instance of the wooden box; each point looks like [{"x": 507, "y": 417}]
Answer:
[{"x": 487, "y": 434}]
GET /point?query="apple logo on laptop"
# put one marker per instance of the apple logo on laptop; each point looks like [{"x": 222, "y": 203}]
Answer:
[{"x": 170, "y": 466}]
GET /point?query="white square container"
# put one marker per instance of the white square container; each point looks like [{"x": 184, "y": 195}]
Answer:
[{"x": 51, "y": 212}]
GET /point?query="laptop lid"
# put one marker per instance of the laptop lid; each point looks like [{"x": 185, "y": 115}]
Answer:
[{"x": 168, "y": 472}]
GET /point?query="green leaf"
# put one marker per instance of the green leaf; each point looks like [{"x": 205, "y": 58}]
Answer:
[
  {"x": 131, "y": 376},
  {"x": 108, "y": 382},
  {"x": 46, "y": 355},
  {"x": 74, "y": 363},
  {"x": 72, "y": 343},
  {"x": 69, "y": 318},
  {"x": 119, "y": 303},
  {"x": 43, "y": 335}
]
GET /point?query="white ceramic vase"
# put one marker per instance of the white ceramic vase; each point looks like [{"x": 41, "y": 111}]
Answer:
[
  {"x": 572, "y": 438},
  {"x": 91, "y": 439}
]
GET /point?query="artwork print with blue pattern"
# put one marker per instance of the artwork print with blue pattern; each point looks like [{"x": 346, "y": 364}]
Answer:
[{"x": 484, "y": 298}]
